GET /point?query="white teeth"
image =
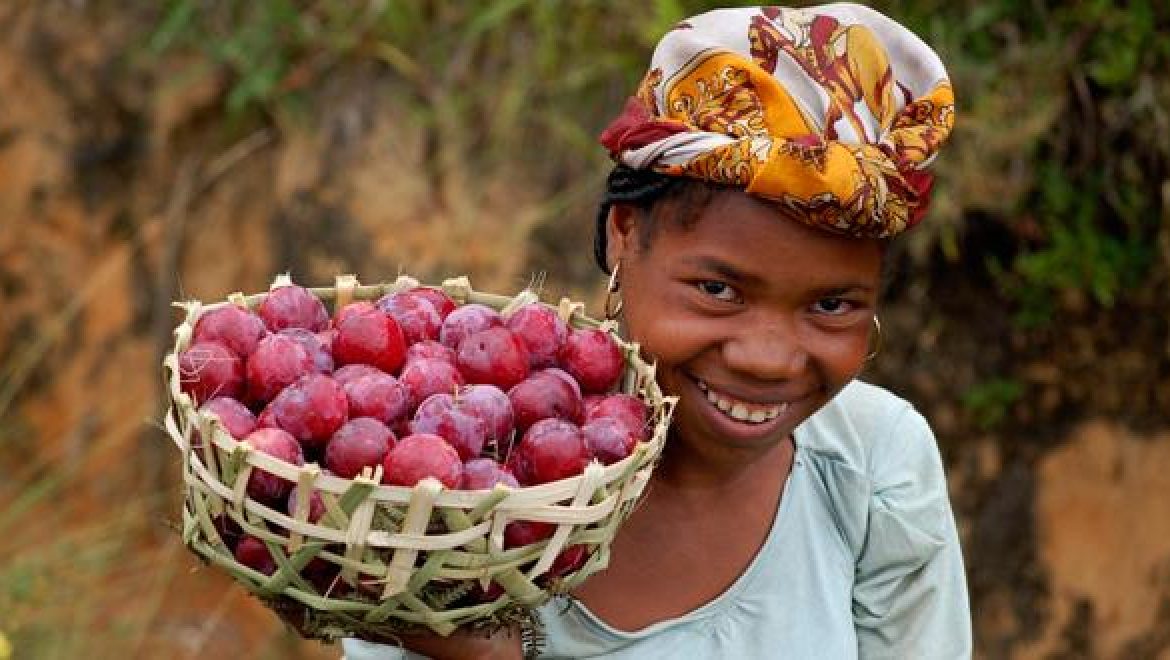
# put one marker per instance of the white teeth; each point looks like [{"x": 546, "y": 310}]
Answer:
[
  {"x": 714, "y": 399},
  {"x": 739, "y": 410}
]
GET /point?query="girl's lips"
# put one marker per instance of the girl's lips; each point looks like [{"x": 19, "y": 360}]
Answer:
[
  {"x": 740, "y": 410},
  {"x": 731, "y": 422}
]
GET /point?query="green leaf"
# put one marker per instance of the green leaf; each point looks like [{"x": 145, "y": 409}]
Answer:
[
  {"x": 990, "y": 401},
  {"x": 176, "y": 21}
]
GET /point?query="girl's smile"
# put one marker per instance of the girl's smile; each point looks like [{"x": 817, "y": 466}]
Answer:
[{"x": 740, "y": 420}]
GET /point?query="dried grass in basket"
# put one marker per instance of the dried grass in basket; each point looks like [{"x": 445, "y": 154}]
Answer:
[{"x": 416, "y": 552}]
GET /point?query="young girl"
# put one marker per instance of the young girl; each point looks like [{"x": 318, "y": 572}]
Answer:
[{"x": 797, "y": 512}]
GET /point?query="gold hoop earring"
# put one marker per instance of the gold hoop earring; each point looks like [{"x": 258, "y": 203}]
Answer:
[
  {"x": 612, "y": 308},
  {"x": 877, "y": 346}
]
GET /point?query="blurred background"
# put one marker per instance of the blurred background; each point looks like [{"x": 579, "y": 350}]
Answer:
[{"x": 159, "y": 151}]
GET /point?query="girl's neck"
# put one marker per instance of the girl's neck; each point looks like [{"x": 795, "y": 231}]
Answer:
[{"x": 685, "y": 467}]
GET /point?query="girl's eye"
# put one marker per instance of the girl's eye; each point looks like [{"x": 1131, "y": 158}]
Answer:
[
  {"x": 719, "y": 290},
  {"x": 832, "y": 306}
]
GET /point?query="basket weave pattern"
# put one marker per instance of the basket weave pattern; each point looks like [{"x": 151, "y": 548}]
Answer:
[{"x": 407, "y": 558}]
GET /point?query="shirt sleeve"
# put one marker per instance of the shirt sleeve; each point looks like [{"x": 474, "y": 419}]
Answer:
[{"x": 910, "y": 589}]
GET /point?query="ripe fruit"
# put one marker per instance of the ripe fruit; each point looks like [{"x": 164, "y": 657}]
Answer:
[
  {"x": 542, "y": 331},
  {"x": 466, "y": 321},
  {"x": 490, "y": 404},
  {"x": 419, "y": 456},
  {"x": 318, "y": 350},
  {"x": 236, "y": 419},
  {"x": 208, "y": 369},
  {"x": 609, "y": 439},
  {"x": 589, "y": 402},
  {"x": 316, "y": 505},
  {"x": 551, "y": 449},
  {"x": 494, "y": 356},
  {"x": 438, "y": 299},
  {"x": 361, "y": 442},
  {"x": 628, "y": 409},
  {"x": 325, "y": 338},
  {"x": 277, "y": 361},
  {"x": 544, "y": 396},
  {"x": 415, "y": 314},
  {"x": 324, "y": 575},
  {"x": 351, "y": 308},
  {"x": 368, "y": 336},
  {"x": 378, "y": 395},
  {"x": 238, "y": 328},
  {"x": 440, "y": 415},
  {"x": 571, "y": 558},
  {"x": 593, "y": 358},
  {"x": 252, "y": 552},
  {"x": 527, "y": 532},
  {"x": 311, "y": 409},
  {"x": 293, "y": 306},
  {"x": 563, "y": 375},
  {"x": 263, "y": 485},
  {"x": 229, "y": 530},
  {"x": 430, "y": 349},
  {"x": 266, "y": 419},
  {"x": 352, "y": 372},
  {"x": 455, "y": 393},
  {"x": 426, "y": 376},
  {"x": 484, "y": 474}
]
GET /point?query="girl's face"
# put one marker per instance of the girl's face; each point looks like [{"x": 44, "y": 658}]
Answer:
[{"x": 754, "y": 319}]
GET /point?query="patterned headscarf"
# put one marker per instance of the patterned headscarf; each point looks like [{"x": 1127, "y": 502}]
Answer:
[{"x": 833, "y": 111}]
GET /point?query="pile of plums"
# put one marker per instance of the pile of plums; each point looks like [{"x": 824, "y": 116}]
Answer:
[{"x": 416, "y": 384}]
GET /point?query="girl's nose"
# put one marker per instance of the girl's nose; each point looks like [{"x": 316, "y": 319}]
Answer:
[{"x": 767, "y": 350}]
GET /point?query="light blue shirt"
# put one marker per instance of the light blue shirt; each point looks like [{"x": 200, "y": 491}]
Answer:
[{"x": 862, "y": 560}]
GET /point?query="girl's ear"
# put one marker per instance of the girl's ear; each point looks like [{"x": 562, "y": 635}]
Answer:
[{"x": 620, "y": 233}]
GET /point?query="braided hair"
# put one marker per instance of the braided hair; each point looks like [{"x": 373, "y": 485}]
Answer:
[{"x": 644, "y": 190}]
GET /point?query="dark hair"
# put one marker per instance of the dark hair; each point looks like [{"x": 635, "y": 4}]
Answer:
[{"x": 650, "y": 192}]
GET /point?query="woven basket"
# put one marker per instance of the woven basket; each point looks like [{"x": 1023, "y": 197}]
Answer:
[{"x": 424, "y": 549}]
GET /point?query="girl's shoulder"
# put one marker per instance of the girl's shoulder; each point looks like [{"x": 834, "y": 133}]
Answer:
[
  {"x": 875, "y": 462},
  {"x": 864, "y": 426}
]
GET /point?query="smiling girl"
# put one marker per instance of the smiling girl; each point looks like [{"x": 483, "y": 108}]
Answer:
[{"x": 765, "y": 161}]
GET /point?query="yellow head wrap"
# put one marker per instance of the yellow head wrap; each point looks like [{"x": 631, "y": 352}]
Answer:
[{"x": 833, "y": 111}]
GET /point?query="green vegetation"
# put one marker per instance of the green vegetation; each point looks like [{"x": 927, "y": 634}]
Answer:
[
  {"x": 989, "y": 402},
  {"x": 477, "y": 78},
  {"x": 1083, "y": 193},
  {"x": 1063, "y": 106}
]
